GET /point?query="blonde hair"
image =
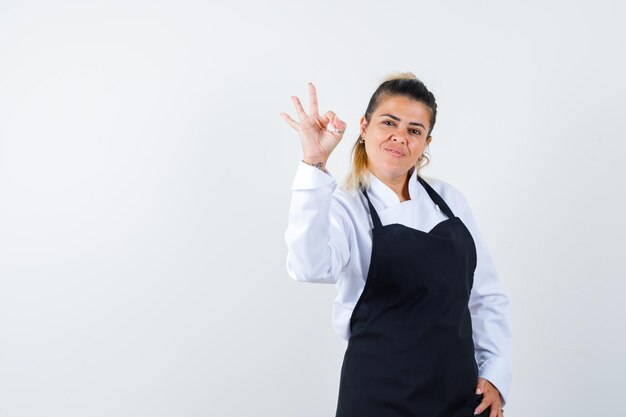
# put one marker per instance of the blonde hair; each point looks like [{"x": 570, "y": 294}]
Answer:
[{"x": 395, "y": 84}]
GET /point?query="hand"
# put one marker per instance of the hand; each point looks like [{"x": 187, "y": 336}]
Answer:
[
  {"x": 491, "y": 397},
  {"x": 317, "y": 142}
]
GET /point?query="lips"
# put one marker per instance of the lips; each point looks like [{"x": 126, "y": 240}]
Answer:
[{"x": 394, "y": 152}]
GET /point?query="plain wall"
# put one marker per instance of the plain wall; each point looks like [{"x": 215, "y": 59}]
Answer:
[{"x": 145, "y": 179}]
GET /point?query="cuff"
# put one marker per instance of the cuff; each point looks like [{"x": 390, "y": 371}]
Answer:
[
  {"x": 309, "y": 177},
  {"x": 498, "y": 372}
]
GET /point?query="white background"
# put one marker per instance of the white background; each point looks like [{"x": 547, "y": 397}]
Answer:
[{"x": 145, "y": 179}]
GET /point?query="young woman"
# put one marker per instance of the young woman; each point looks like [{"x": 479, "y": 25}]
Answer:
[{"x": 419, "y": 302}]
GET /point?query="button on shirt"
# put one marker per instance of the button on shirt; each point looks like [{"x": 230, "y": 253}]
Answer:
[{"x": 329, "y": 240}]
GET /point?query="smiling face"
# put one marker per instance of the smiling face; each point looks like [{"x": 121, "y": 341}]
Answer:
[{"x": 395, "y": 136}]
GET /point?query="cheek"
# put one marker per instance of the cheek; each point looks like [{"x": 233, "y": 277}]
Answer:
[{"x": 417, "y": 148}]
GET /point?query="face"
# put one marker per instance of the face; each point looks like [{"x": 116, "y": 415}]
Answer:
[{"x": 395, "y": 137}]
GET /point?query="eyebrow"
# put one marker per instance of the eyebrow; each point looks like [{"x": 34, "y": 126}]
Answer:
[{"x": 396, "y": 118}]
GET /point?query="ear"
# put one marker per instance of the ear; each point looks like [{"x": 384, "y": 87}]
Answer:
[
  {"x": 362, "y": 124},
  {"x": 428, "y": 139}
]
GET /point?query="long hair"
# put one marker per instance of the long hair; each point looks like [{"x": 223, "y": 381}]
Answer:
[{"x": 397, "y": 84}]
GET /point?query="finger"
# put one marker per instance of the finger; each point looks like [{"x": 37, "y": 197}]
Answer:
[
  {"x": 339, "y": 126},
  {"x": 289, "y": 120},
  {"x": 482, "y": 406},
  {"x": 331, "y": 118},
  {"x": 313, "y": 99},
  {"x": 301, "y": 113},
  {"x": 480, "y": 386},
  {"x": 495, "y": 405},
  {"x": 328, "y": 117},
  {"x": 500, "y": 413}
]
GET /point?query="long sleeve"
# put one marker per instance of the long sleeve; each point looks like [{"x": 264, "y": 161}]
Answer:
[
  {"x": 489, "y": 308},
  {"x": 318, "y": 228}
]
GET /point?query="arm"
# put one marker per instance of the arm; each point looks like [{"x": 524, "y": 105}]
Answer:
[
  {"x": 489, "y": 308},
  {"x": 318, "y": 229}
]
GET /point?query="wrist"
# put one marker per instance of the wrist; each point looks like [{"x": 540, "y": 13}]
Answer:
[{"x": 317, "y": 163}]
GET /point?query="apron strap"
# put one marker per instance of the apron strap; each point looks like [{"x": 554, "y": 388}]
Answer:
[
  {"x": 436, "y": 198},
  {"x": 431, "y": 192},
  {"x": 373, "y": 213}
]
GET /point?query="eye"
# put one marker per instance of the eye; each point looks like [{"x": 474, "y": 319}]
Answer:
[
  {"x": 388, "y": 121},
  {"x": 417, "y": 131}
]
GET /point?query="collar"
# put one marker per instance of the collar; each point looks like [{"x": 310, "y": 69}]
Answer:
[{"x": 385, "y": 195}]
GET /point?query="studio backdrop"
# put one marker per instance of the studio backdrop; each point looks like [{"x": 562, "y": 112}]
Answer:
[{"x": 145, "y": 177}]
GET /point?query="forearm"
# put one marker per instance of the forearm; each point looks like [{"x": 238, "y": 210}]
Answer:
[{"x": 316, "y": 239}]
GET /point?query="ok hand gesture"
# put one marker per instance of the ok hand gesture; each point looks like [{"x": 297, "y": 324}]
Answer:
[{"x": 317, "y": 142}]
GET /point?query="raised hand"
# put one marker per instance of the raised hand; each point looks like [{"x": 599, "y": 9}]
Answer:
[{"x": 317, "y": 141}]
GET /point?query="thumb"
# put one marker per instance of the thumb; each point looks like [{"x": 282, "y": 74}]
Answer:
[
  {"x": 480, "y": 386},
  {"x": 338, "y": 123}
]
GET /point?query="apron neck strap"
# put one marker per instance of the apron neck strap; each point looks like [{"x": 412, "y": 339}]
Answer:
[
  {"x": 373, "y": 213},
  {"x": 431, "y": 192},
  {"x": 436, "y": 198}
]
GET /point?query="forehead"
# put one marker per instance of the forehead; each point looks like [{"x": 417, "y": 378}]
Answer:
[{"x": 404, "y": 107}]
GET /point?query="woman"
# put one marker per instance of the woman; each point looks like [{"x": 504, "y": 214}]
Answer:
[{"x": 419, "y": 300}]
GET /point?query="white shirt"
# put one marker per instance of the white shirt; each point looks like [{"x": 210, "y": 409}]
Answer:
[{"x": 329, "y": 240}]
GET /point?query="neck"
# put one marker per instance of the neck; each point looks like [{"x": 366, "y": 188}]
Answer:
[{"x": 399, "y": 184}]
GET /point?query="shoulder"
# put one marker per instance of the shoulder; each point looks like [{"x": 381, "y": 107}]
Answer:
[
  {"x": 354, "y": 207},
  {"x": 451, "y": 194},
  {"x": 349, "y": 200}
]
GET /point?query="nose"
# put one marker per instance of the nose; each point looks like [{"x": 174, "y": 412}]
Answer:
[{"x": 398, "y": 138}]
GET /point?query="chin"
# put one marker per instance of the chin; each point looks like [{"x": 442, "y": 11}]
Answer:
[{"x": 394, "y": 171}]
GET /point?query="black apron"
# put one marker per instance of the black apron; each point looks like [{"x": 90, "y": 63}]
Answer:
[{"x": 411, "y": 351}]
